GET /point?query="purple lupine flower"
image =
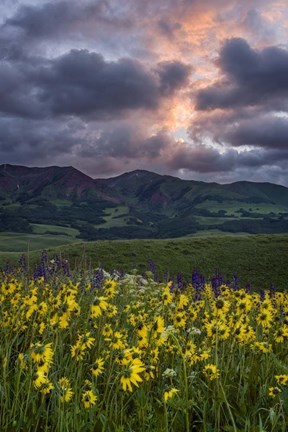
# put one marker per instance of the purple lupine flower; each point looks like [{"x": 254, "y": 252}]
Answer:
[
  {"x": 44, "y": 258},
  {"x": 98, "y": 278},
  {"x": 151, "y": 265},
  {"x": 195, "y": 278},
  {"x": 198, "y": 280},
  {"x": 8, "y": 268},
  {"x": 272, "y": 291},
  {"x": 248, "y": 288},
  {"x": 39, "y": 272},
  {"x": 235, "y": 283},
  {"x": 198, "y": 283},
  {"x": 179, "y": 281},
  {"x": 216, "y": 282},
  {"x": 66, "y": 268},
  {"x": 22, "y": 263}
]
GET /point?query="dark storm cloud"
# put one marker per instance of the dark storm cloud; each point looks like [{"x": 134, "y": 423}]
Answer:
[
  {"x": 118, "y": 141},
  {"x": 206, "y": 159},
  {"x": 250, "y": 77},
  {"x": 156, "y": 145},
  {"x": 261, "y": 158},
  {"x": 121, "y": 148},
  {"x": 28, "y": 141},
  {"x": 82, "y": 82},
  {"x": 85, "y": 83},
  {"x": 254, "y": 85},
  {"x": 223, "y": 97},
  {"x": 126, "y": 142},
  {"x": 51, "y": 19},
  {"x": 202, "y": 159},
  {"x": 173, "y": 75},
  {"x": 43, "y": 20},
  {"x": 271, "y": 132},
  {"x": 33, "y": 23},
  {"x": 57, "y": 26},
  {"x": 265, "y": 70},
  {"x": 248, "y": 127}
]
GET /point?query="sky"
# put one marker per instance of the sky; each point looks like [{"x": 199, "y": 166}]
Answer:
[{"x": 196, "y": 89}]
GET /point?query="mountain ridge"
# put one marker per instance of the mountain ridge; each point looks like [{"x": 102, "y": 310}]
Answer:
[
  {"x": 138, "y": 203},
  {"x": 136, "y": 172}
]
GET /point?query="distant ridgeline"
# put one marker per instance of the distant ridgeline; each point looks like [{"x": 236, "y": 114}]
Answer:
[{"x": 138, "y": 204}]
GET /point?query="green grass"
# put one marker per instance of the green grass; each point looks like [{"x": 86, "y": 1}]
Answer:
[
  {"x": 207, "y": 220},
  {"x": 61, "y": 202},
  {"x": 41, "y": 238},
  {"x": 257, "y": 259},
  {"x": 10, "y": 205},
  {"x": 216, "y": 232},
  {"x": 115, "y": 217},
  {"x": 43, "y": 229},
  {"x": 233, "y": 206},
  {"x": 21, "y": 242}
]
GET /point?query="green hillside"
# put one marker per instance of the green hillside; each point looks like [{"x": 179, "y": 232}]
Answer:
[
  {"x": 134, "y": 205},
  {"x": 257, "y": 259}
]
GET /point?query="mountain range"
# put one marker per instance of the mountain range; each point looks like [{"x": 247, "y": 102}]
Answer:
[{"x": 137, "y": 204}]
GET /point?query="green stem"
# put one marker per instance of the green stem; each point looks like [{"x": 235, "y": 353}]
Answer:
[
  {"x": 166, "y": 417},
  {"x": 185, "y": 382},
  {"x": 228, "y": 407}
]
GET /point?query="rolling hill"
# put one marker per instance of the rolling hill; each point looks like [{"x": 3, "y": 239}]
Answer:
[{"x": 137, "y": 204}]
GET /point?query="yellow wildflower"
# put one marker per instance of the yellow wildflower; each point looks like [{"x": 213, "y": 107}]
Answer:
[
  {"x": 282, "y": 379},
  {"x": 211, "y": 372},
  {"x": 41, "y": 353},
  {"x": 98, "y": 367},
  {"x": 168, "y": 394},
  {"x": 99, "y": 305},
  {"x": 131, "y": 374},
  {"x": 65, "y": 391},
  {"x": 88, "y": 399},
  {"x": 274, "y": 391}
]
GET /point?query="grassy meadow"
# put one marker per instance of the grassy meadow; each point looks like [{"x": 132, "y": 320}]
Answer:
[
  {"x": 93, "y": 351},
  {"x": 128, "y": 335},
  {"x": 259, "y": 260},
  {"x": 42, "y": 237}
]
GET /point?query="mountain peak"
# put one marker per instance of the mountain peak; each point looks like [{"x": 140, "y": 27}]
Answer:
[
  {"x": 53, "y": 181},
  {"x": 137, "y": 173}
]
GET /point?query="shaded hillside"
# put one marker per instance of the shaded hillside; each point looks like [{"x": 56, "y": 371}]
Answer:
[
  {"x": 51, "y": 182},
  {"x": 154, "y": 189},
  {"x": 138, "y": 204}
]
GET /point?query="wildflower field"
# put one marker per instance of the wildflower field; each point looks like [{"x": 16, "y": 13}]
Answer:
[{"x": 93, "y": 351}]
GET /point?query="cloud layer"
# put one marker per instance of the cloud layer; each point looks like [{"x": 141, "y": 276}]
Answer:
[{"x": 190, "y": 88}]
